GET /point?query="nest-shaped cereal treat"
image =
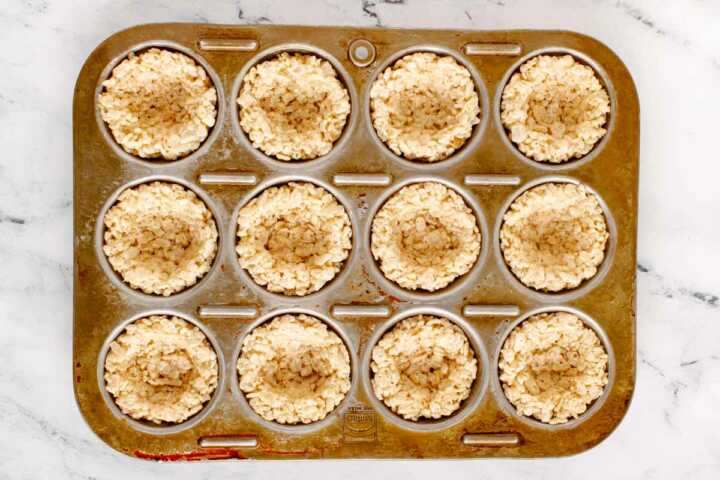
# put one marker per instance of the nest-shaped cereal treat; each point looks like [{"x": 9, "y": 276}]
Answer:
[
  {"x": 555, "y": 109},
  {"x": 553, "y": 236},
  {"x": 160, "y": 237},
  {"x": 293, "y": 107},
  {"x": 158, "y": 104},
  {"x": 294, "y": 238},
  {"x": 423, "y": 368},
  {"x": 161, "y": 369},
  {"x": 425, "y": 236},
  {"x": 552, "y": 367},
  {"x": 294, "y": 369},
  {"x": 424, "y": 106}
]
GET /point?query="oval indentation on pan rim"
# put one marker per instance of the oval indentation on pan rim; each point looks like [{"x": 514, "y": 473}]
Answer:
[
  {"x": 459, "y": 283},
  {"x": 302, "y": 428},
  {"x": 505, "y": 404},
  {"x": 586, "y": 286},
  {"x": 609, "y": 124},
  {"x": 467, "y": 407},
  {"x": 214, "y": 131},
  {"x": 114, "y": 276},
  {"x": 338, "y": 146},
  {"x": 470, "y": 144},
  {"x": 146, "y": 426}
]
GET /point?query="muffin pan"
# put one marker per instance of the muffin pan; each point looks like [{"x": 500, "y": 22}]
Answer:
[{"x": 360, "y": 304}]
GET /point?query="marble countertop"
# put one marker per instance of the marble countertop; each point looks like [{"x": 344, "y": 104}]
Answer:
[{"x": 672, "y": 429}]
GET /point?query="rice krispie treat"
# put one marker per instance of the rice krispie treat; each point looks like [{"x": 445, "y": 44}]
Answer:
[
  {"x": 158, "y": 104},
  {"x": 424, "y": 106},
  {"x": 294, "y": 369},
  {"x": 553, "y": 236},
  {"x": 425, "y": 236},
  {"x": 555, "y": 109},
  {"x": 293, "y": 107},
  {"x": 552, "y": 367},
  {"x": 423, "y": 368},
  {"x": 293, "y": 238},
  {"x": 161, "y": 369},
  {"x": 160, "y": 237}
]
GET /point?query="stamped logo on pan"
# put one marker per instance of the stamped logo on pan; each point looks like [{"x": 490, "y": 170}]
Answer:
[{"x": 359, "y": 424}]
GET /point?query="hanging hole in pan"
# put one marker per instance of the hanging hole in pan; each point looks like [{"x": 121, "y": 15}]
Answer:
[{"x": 361, "y": 52}]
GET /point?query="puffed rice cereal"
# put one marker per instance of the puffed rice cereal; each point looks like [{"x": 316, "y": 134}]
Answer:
[
  {"x": 293, "y": 238},
  {"x": 424, "y": 106},
  {"x": 161, "y": 369},
  {"x": 160, "y": 238},
  {"x": 553, "y": 236},
  {"x": 158, "y": 104},
  {"x": 294, "y": 369},
  {"x": 552, "y": 367},
  {"x": 293, "y": 107},
  {"x": 555, "y": 108},
  {"x": 423, "y": 368},
  {"x": 425, "y": 236}
]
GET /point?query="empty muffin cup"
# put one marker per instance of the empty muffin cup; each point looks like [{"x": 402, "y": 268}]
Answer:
[
  {"x": 424, "y": 106},
  {"x": 554, "y": 109},
  {"x": 158, "y": 104},
  {"x": 293, "y": 106},
  {"x": 294, "y": 369},
  {"x": 159, "y": 237}
]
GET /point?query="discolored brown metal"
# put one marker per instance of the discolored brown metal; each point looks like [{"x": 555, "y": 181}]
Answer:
[{"x": 356, "y": 430}]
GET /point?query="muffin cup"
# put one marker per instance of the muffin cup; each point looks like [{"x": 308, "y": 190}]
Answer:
[{"x": 144, "y": 426}]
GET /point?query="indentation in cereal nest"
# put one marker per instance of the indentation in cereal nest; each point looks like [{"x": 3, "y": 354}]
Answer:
[
  {"x": 555, "y": 109},
  {"x": 294, "y": 369},
  {"x": 293, "y": 238},
  {"x": 161, "y": 369},
  {"x": 158, "y": 104},
  {"x": 552, "y": 367},
  {"x": 553, "y": 236},
  {"x": 160, "y": 237},
  {"x": 293, "y": 106},
  {"x": 425, "y": 236},
  {"x": 424, "y": 106},
  {"x": 424, "y": 367}
]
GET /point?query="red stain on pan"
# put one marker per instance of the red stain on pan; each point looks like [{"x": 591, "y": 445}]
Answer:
[
  {"x": 204, "y": 454},
  {"x": 287, "y": 453}
]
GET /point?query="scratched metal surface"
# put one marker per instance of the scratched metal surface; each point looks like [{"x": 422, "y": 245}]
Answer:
[{"x": 361, "y": 427}]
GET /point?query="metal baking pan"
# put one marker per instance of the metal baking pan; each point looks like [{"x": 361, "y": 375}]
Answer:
[{"x": 360, "y": 303}]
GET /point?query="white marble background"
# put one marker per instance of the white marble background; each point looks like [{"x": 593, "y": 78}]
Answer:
[{"x": 673, "y": 51}]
